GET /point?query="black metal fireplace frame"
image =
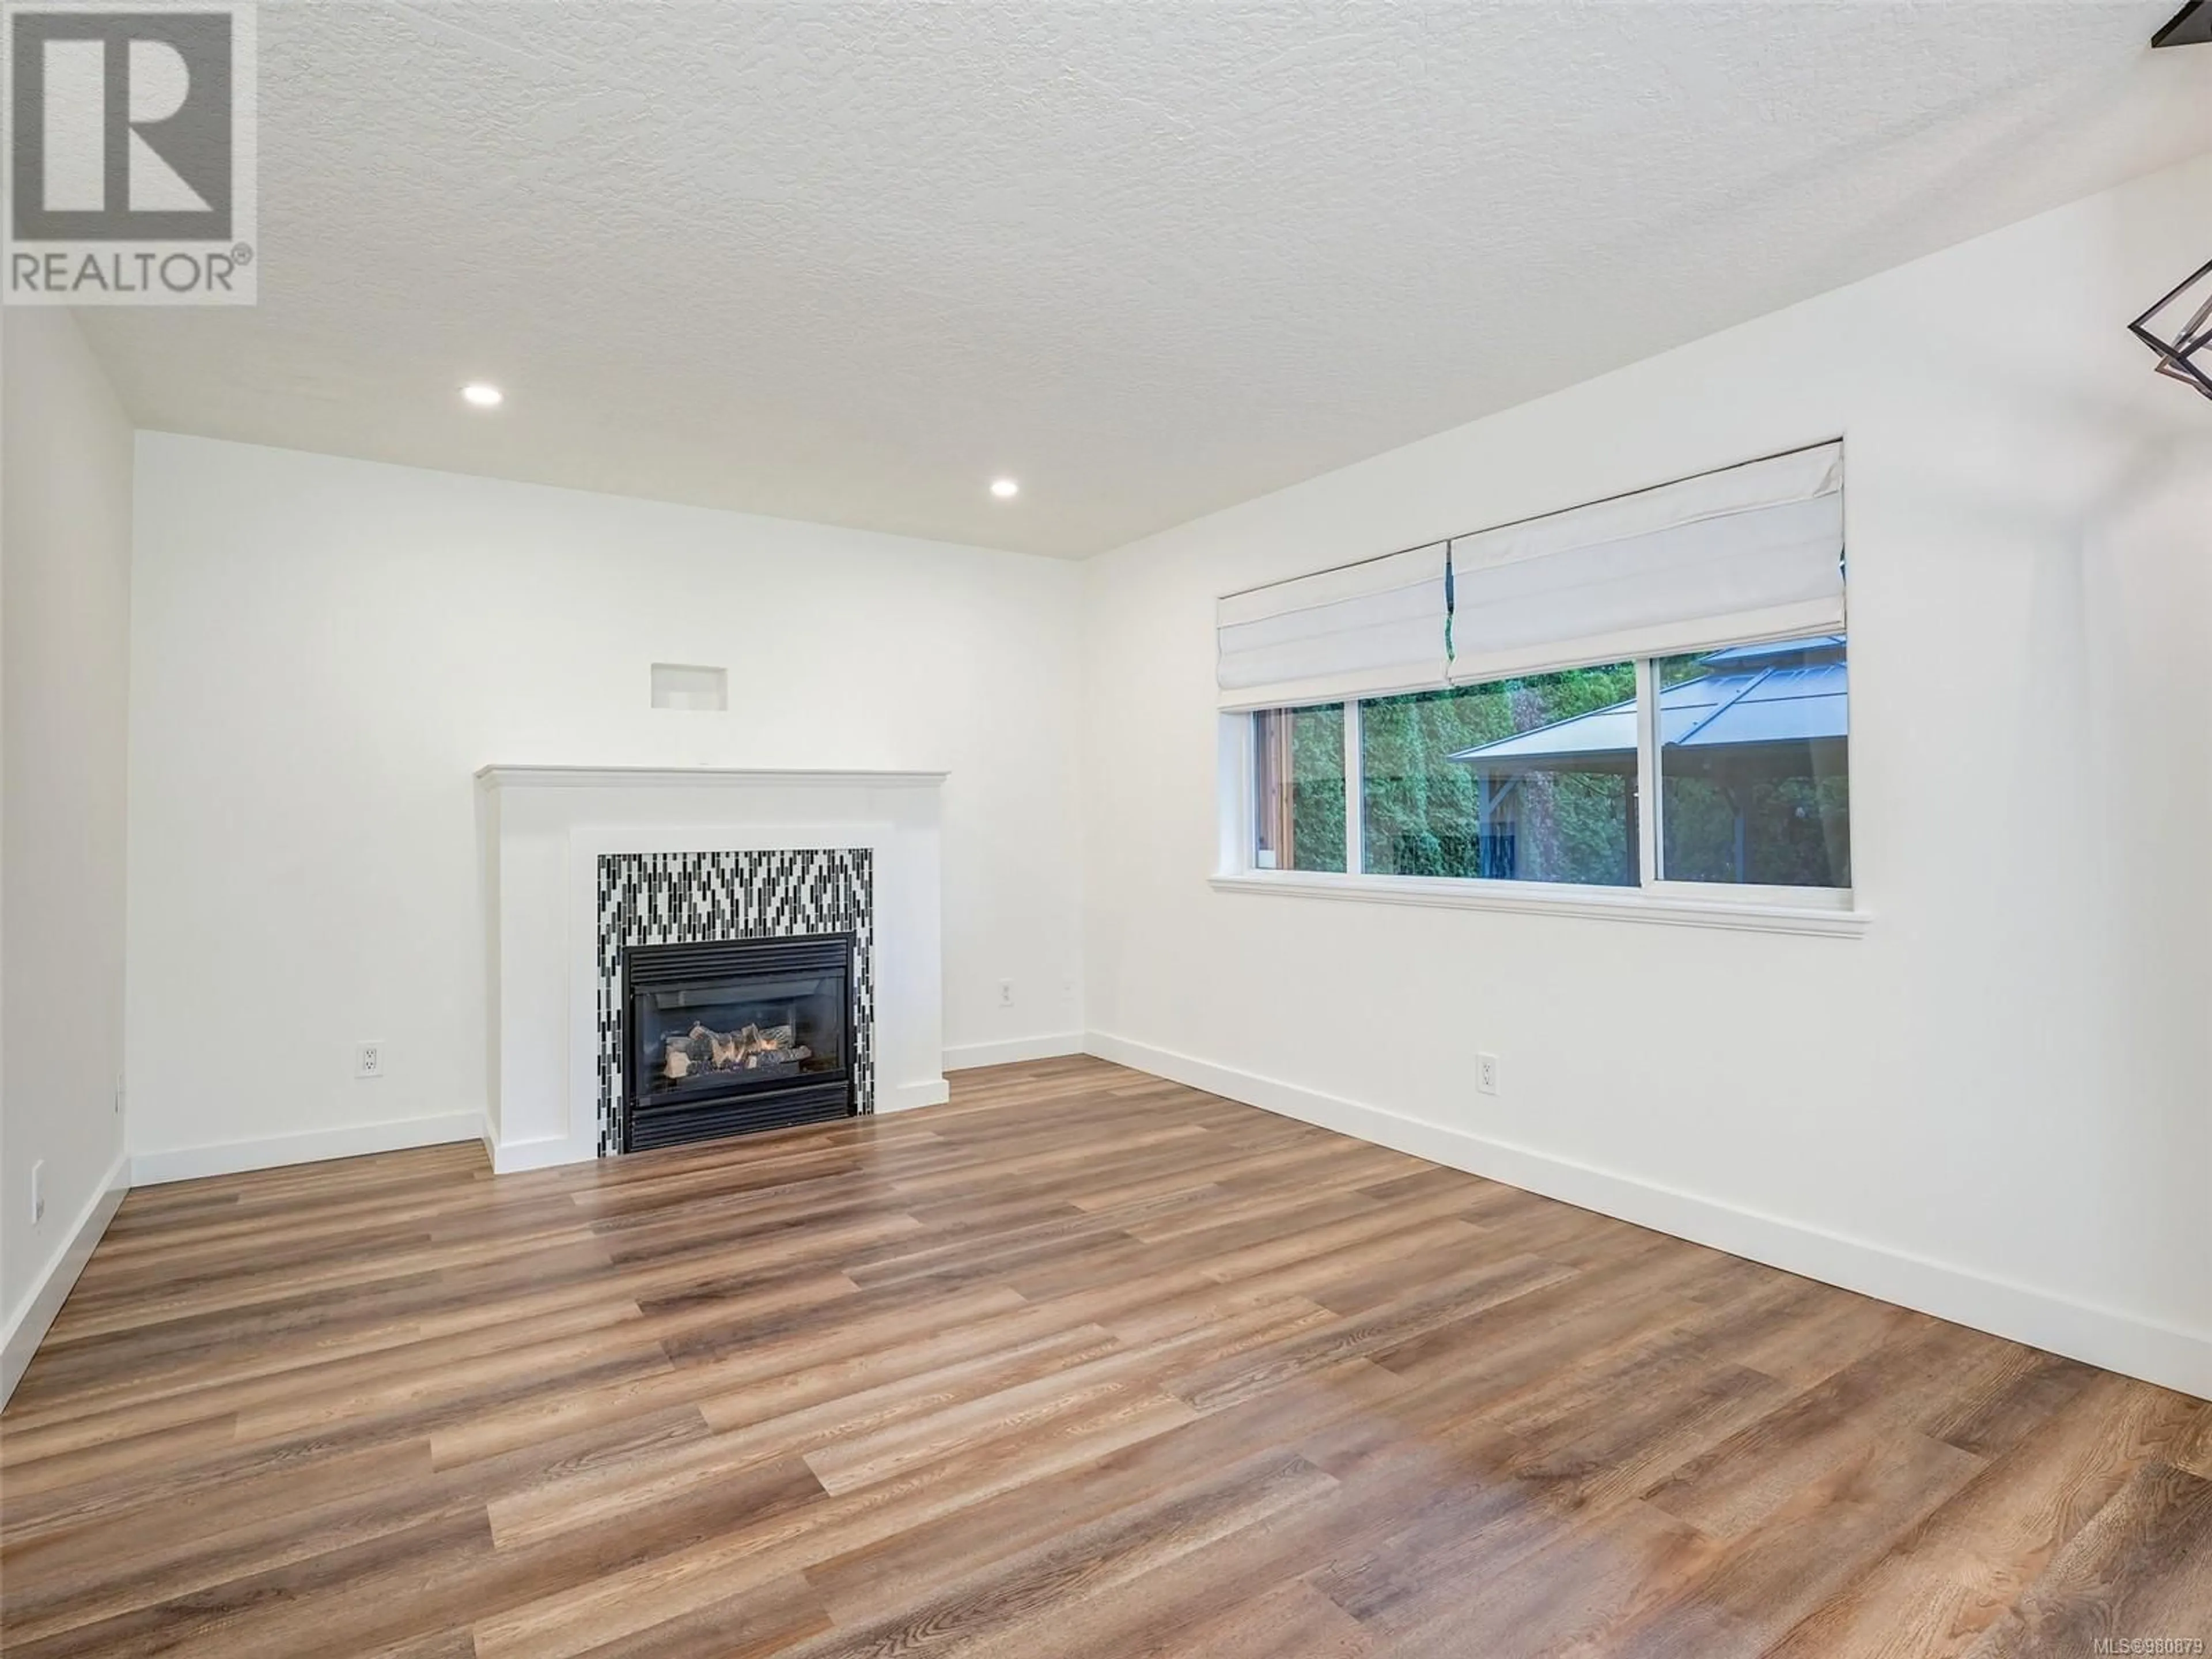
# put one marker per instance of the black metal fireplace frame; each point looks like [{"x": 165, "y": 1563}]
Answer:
[{"x": 723, "y": 1104}]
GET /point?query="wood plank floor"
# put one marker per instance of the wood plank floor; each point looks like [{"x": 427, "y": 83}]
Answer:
[{"x": 1081, "y": 1363}]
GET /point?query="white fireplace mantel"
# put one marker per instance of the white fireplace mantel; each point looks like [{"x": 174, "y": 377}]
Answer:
[
  {"x": 693, "y": 777},
  {"x": 543, "y": 830}
]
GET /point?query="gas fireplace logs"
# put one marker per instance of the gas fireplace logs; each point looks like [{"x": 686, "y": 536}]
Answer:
[{"x": 757, "y": 1048}]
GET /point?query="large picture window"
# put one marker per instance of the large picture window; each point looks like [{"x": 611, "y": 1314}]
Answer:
[
  {"x": 1544, "y": 778},
  {"x": 1647, "y": 691}
]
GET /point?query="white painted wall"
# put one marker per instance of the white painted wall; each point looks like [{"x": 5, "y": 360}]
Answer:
[
  {"x": 65, "y": 668},
  {"x": 1997, "y": 1104},
  {"x": 324, "y": 652}
]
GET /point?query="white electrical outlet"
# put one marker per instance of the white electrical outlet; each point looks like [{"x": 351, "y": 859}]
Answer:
[
  {"x": 1485, "y": 1073},
  {"x": 368, "y": 1060},
  {"x": 38, "y": 1192},
  {"x": 1005, "y": 994}
]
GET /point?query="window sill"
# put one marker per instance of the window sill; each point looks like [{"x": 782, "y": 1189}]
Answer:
[{"x": 1674, "y": 908}]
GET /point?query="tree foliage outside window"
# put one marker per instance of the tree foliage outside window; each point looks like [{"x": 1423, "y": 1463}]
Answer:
[
  {"x": 1299, "y": 787},
  {"x": 1796, "y": 832},
  {"x": 1424, "y": 812}
]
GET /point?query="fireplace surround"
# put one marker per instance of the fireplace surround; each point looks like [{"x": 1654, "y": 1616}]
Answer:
[
  {"x": 725, "y": 1037},
  {"x": 584, "y": 863}
]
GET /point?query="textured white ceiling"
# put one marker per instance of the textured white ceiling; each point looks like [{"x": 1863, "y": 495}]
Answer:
[{"x": 848, "y": 261}]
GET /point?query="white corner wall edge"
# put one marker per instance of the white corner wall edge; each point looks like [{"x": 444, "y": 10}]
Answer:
[
  {"x": 1013, "y": 1050},
  {"x": 540, "y": 1152},
  {"x": 36, "y": 1316},
  {"x": 274, "y": 1151},
  {"x": 2163, "y": 1355},
  {"x": 905, "y": 1096}
]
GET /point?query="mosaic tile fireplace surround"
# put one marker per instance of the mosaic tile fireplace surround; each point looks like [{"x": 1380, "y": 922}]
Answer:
[{"x": 677, "y": 898}]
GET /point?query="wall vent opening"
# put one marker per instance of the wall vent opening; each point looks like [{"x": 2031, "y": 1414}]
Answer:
[{"x": 688, "y": 685}]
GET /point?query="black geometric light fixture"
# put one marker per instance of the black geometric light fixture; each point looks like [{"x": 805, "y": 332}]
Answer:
[
  {"x": 2179, "y": 329},
  {"x": 2189, "y": 27}
]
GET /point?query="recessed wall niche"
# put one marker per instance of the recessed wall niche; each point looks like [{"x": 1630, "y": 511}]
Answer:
[{"x": 690, "y": 686}]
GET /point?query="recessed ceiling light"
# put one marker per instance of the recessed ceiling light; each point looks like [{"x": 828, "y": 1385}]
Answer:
[
  {"x": 482, "y": 394},
  {"x": 1005, "y": 489}
]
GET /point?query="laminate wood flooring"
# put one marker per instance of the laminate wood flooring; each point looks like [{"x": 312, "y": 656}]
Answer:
[{"x": 1080, "y": 1364}]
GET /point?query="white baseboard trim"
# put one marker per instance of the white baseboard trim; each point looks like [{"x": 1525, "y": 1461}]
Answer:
[
  {"x": 1012, "y": 1051},
  {"x": 36, "y": 1316},
  {"x": 274, "y": 1151},
  {"x": 2163, "y": 1354},
  {"x": 905, "y": 1096}
]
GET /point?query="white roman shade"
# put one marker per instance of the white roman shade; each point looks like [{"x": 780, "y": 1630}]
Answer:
[
  {"x": 1751, "y": 552},
  {"x": 1358, "y": 630},
  {"x": 1754, "y": 552}
]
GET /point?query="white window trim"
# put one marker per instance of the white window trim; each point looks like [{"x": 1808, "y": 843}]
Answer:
[
  {"x": 1830, "y": 912},
  {"x": 1355, "y": 817}
]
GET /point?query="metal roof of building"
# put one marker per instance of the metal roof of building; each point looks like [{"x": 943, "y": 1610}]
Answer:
[{"x": 1764, "y": 695}]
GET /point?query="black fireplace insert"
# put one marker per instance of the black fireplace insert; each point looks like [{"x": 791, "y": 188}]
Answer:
[{"x": 722, "y": 1037}]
